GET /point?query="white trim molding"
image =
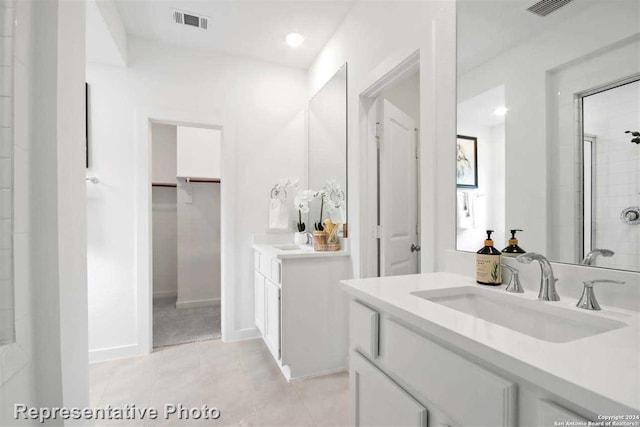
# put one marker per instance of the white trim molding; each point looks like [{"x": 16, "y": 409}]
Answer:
[
  {"x": 144, "y": 117},
  {"x": 112, "y": 353}
]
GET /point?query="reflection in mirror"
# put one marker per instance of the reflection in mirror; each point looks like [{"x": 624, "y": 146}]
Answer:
[
  {"x": 553, "y": 106},
  {"x": 328, "y": 150}
]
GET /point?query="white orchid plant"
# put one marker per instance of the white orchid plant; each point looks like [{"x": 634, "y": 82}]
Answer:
[
  {"x": 302, "y": 200},
  {"x": 331, "y": 192}
]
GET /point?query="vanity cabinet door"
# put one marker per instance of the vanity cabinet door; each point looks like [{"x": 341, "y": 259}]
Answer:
[
  {"x": 272, "y": 318},
  {"x": 258, "y": 285},
  {"x": 378, "y": 401}
]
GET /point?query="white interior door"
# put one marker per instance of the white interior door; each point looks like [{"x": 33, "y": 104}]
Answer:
[{"x": 398, "y": 183}]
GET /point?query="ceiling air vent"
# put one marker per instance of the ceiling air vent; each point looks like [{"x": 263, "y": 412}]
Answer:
[
  {"x": 184, "y": 18},
  {"x": 545, "y": 7}
]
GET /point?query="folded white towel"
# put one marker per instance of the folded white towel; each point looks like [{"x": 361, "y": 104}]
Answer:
[{"x": 278, "y": 215}]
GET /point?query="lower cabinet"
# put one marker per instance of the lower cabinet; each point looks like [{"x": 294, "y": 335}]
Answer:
[
  {"x": 378, "y": 401},
  {"x": 272, "y": 317},
  {"x": 400, "y": 377},
  {"x": 258, "y": 287},
  {"x": 301, "y": 313}
]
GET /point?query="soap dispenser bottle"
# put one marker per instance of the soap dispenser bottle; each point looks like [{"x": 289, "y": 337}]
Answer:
[
  {"x": 488, "y": 271},
  {"x": 513, "y": 250}
]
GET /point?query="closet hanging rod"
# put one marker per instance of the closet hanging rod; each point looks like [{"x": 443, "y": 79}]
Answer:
[
  {"x": 213, "y": 180},
  {"x": 163, "y": 184}
]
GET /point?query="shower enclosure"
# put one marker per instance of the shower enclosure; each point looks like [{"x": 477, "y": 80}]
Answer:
[{"x": 611, "y": 173}]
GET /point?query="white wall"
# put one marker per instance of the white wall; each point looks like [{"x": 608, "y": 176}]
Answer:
[
  {"x": 263, "y": 101},
  {"x": 164, "y": 142},
  {"x": 106, "y": 40},
  {"x": 48, "y": 365},
  {"x": 199, "y": 152},
  {"x": 165, "y": 241},
  {"x": 198, "y": 243}
]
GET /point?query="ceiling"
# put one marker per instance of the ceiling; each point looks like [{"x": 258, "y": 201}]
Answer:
[
  {"x": 254, "y": 29},
  {"x": 486, "y": 28}
]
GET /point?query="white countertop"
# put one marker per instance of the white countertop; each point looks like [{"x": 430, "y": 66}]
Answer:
[
  {"x": 306, "y": 251},
  {"x": 593, "y": 371}
]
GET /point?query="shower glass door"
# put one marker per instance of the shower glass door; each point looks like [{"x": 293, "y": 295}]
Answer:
[{"x": 611, "y": 174}]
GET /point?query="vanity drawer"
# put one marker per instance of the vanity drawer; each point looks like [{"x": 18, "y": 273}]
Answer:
[
  {"x": 470, "y": 393},
  {"x": 276, "y": 271},
  {"x": 364, "y": 329}
]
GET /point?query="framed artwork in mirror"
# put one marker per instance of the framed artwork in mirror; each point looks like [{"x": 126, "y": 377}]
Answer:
[{"x": 467, "y": 162}]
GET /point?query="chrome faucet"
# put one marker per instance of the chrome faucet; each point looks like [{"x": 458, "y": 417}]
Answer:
[
  {"x": 590, "y": 258},
  {"x": 588, "y": 299},
  {"x": 309, "y": 237},
  {"x": 547, "y": 281},
  {"x": 514, "y": 283}
]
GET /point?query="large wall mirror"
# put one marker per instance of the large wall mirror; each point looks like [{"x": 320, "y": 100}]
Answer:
[
  {"x": 328, "y": 149},
  {"x": 548, "y": 128}
]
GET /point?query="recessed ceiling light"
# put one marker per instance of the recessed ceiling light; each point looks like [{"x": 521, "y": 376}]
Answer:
[
  {"x": 501, "y": 111},
  {"x": 294, "y": 39}
]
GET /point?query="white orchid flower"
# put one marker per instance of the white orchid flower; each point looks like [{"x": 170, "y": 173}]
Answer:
[{"x": 302, "y": 200}]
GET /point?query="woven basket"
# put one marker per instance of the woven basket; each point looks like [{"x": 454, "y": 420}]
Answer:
[{"x": 326, "y": 247}]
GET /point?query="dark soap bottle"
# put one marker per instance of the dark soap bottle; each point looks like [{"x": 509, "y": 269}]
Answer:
[
  {"x": 488, "y": 270},
  {"x": 513, "y": 250}
]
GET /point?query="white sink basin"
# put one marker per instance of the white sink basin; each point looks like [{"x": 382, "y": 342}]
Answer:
[
  {"x": 293, "y": 247},
  {"x": 540, "y": 320}
]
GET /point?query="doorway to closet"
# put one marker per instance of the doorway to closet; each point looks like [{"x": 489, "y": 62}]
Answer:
[{"x": 186, "y": 208}]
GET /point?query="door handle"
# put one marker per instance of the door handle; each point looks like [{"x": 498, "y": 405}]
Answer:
[{"x": 415, "y": 248}]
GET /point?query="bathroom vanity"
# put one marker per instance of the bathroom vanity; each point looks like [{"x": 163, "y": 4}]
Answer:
[
  {"x": 299, "y": 308},
  {"x": 437, "y": 349}
]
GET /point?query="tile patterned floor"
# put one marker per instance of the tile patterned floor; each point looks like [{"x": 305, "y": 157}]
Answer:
[
  {"x": 241, "y": 379},
  {"x": 172, "y": 326}
]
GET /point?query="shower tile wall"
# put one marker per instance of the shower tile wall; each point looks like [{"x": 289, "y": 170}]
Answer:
[
  {"x": 616, "y": 174},
  {"x": 565, "y": 159}
]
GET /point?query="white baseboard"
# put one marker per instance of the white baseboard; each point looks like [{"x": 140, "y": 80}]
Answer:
[
  {"x": 112, "y": 353},
  {"x": 243, "y": 335},
  {"x": 318, "y": 374},
  {"x": 135, "y": 350},
  {"x": 165, "y": 294},
  {"x": 198, "y": 303}
]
